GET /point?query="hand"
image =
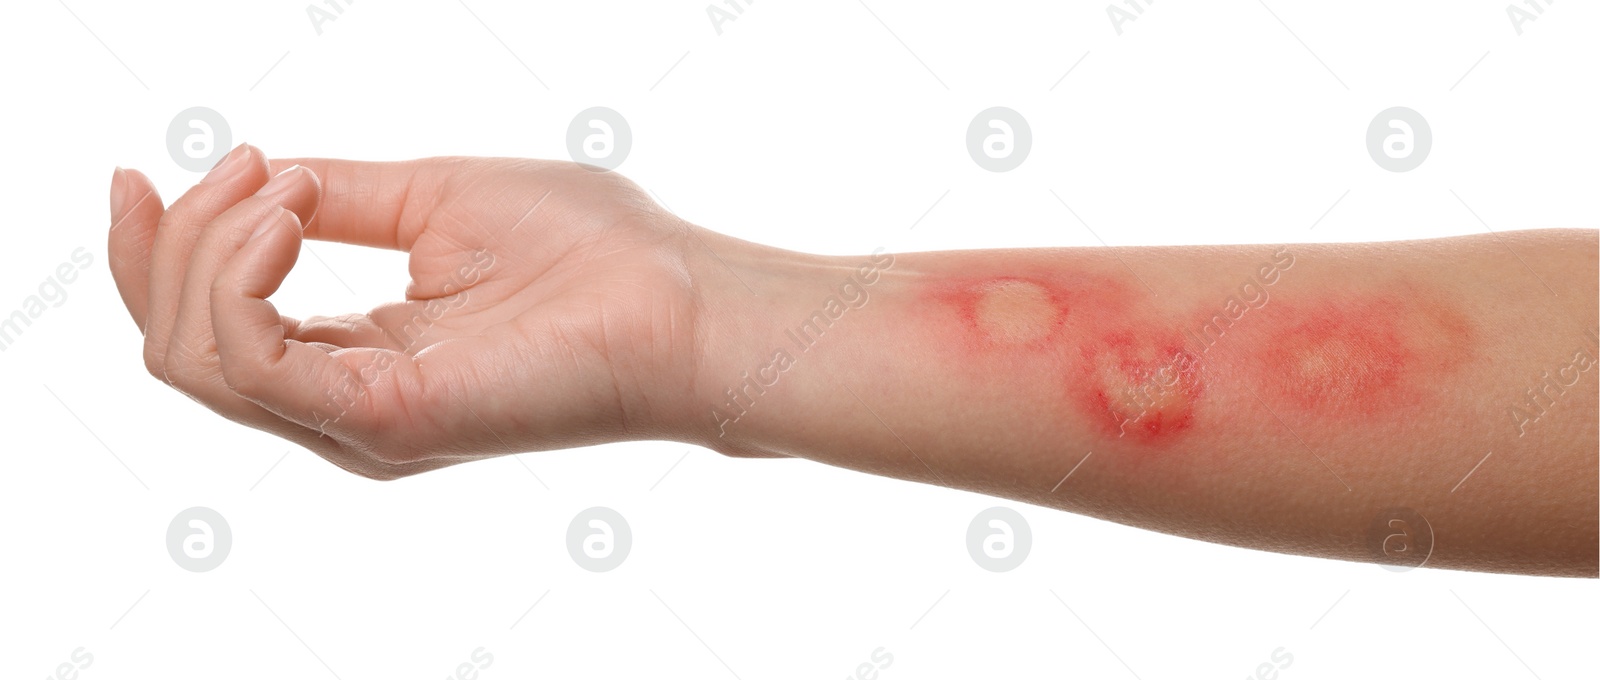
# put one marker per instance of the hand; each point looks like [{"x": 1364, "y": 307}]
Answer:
[{"x": 550, "y": 306}]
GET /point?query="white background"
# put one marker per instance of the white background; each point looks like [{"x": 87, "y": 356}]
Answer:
[{"x": 822, "y": 126}]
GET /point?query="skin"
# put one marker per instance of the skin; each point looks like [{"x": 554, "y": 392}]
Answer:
[{"x": 1383, "y": 402}]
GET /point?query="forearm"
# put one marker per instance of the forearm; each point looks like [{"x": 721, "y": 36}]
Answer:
[{"x": 1273, "y": 397}]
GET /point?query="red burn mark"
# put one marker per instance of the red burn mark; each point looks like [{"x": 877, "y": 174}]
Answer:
[
  {"x": 1121, "y": 370},
  {"x": 1365, "y": 355},
  {"x": 1337, "y": 358},
  {"x": 1139, "y": 388},
  {"x": 1134, "y": 378},
  {"x": 1008, "y": 311}
]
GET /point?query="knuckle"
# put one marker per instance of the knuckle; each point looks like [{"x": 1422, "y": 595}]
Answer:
[
  {"x": 344, "y": 458},
  {"x": 155, "y": 364},
  {"x": 181, "y": 367},
  {"x": 240, "y": 381},
  {"x": 388, "y": 449},
  {"x": 378, "y": 474}
]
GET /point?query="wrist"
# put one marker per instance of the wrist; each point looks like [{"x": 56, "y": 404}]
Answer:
[
  {"x": 772, "y": 340},
  {"x": 736, "y": 286}
]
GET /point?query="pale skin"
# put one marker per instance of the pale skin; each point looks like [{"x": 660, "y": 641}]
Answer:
[{"x": 1283, "y": 398}]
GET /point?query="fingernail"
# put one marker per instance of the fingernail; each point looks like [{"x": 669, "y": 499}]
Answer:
[
  {"x": 119, "y": 192},
  {"x": 281, "y": 183},
  {"x": 230, "y": 166}
]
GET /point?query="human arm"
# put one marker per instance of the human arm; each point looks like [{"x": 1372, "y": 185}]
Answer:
[
  {"x": 553, "y": 306},
  {"x": 1287, "y": 398}
]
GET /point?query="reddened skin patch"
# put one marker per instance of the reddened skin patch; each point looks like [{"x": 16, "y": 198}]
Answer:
[
  {"x": 1141, "y": 384},
  {"x": 1135, "y": 377},
  {"x": 1005, "y": 312},
  {"x": 1115, "y": 365},
  {"x": 1362, "y": 355}
]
